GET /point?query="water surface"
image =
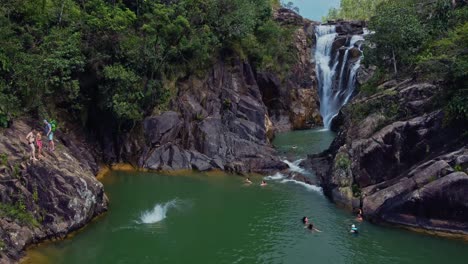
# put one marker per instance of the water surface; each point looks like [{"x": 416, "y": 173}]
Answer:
[{"x": 215, "y": 218}]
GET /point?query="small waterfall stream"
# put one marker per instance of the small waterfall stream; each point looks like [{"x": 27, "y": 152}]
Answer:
[{"x": 335, "y": 87}]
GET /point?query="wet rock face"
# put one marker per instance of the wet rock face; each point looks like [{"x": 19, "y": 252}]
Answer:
[
  {"x": 349, "y": 27},
  {"x": 395, "y": 158},
  {"x": 219, "y": 122},
  {"x": 56, "y": 195},
  {"x": 293, "y": 102}
]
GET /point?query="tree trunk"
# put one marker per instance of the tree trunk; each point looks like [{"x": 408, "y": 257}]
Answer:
[
  {"x": 394, "y": 62},
  {"x": 61, "y": 12}
]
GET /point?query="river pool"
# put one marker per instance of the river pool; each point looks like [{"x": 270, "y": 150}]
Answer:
[{"x": 216, "y": 218}]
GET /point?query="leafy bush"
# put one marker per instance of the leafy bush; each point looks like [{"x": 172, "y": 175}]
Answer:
[
  {"x": 356, "y": 190},
  {"x": 353, "y": 10},
  {"x": 4, "y": 159},
  {"x": 342, "y": 161},
  {"x": 19, "y": 213}
]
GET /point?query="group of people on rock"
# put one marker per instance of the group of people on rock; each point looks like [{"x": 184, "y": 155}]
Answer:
[
  {"x": 248, "y": 182},
  {"x": 34, "y": 138}
]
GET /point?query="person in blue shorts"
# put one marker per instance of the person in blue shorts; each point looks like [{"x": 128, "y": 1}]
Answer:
[{"x": 50, "y": 135}]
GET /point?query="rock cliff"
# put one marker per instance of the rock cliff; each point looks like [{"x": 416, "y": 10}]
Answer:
[
  {"x": 48, "y": 198},
  {"x": 227, "y": 118},
  {"x": 397, "y": 159}
]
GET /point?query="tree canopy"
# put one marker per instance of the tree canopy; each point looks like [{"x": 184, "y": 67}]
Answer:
[{"x": 116, "y": 55}]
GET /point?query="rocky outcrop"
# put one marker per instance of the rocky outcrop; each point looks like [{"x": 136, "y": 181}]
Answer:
[
  {"x": 396, "y": 158},
  {"x": 226, "y": 118},
  {"x": 217, "y": 122},
  {"x": 46, "y": 199},
  {"x": 293, "y": 103}
]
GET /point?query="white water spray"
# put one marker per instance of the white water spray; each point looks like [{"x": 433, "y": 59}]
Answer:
[
  {"x": 333, "y": 93},
  {"x": 158, "y": 213}
]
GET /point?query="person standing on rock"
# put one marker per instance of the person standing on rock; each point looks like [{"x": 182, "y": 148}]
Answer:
[
  {"x": 50, "y": 135},
  {"x": 31, "y": 138},
  {"x": 39, "y": 144}
]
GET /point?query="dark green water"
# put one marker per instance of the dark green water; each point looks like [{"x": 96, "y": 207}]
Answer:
[{"x": 214, "y": 218}]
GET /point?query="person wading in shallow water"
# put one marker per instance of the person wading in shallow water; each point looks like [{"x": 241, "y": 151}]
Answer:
[{"x": 31, "y": 138}]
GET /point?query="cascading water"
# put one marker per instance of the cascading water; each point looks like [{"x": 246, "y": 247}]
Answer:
[{"x": 335, "y": 87}]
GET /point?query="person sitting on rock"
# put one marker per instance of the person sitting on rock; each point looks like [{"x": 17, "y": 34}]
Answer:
[{"x": 30, "y": 138}]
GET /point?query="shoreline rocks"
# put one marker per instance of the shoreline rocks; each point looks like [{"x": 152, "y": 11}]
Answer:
[
  {"x": 46, "y": 199},
  {"x": 400, "y": 163}
]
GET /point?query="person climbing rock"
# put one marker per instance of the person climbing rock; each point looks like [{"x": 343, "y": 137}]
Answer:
[{"x": 31, "y": 138}]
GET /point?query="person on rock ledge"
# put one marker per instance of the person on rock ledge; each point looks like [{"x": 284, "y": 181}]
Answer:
[
  {"x": 50, "y": 135},
  {"x": 39, "y": 144},
  {"x": 31, "y": 138}
]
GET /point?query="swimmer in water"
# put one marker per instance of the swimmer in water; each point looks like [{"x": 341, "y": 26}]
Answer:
[
  {"x": 354, "y": 229},
  {"x": 312, "y": 228},
  {"x": 359, "y": 216},
  {"x": 294, "y": 147},
  {"x": 248, "y": 181},
  {"x": 305, "y": 220},
  {"x": 263, "y": 183}
]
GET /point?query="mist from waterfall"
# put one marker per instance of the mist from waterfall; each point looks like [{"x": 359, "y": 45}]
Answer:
[{"x": 336, "y": 73}]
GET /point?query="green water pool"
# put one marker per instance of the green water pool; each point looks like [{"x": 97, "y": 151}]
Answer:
[{"x": 216, "y": 218}]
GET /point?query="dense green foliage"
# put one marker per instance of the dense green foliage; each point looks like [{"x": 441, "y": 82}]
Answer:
[
  {"x": 118, "y": 56},
  {"x": 422, "y": 39},
  {"x": 353, "y": 10}
]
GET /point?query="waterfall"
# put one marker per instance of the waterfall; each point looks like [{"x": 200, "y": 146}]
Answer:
[{"x": 335, "y": 87}]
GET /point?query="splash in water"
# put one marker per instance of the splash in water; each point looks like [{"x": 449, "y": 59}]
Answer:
[
  {"x": 294, "y": 166},
  {"x": 158, "y": 213}
]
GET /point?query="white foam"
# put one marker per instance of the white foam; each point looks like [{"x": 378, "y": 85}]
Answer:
[
  {"x": 158, "y": 213},
  {"x": 294, "y": 166},
  {"x": 277, "y": 176},
  {"x": 307, "y": 186}
]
